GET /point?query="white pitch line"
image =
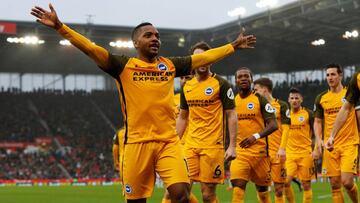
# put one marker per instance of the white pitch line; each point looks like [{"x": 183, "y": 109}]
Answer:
[{"x": 324, "y": 196}]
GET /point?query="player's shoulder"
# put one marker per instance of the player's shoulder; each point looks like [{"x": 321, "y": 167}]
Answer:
[
  {"x": 321, "y": 95},
  {"x": 218, "y": 77},
  {"x": 259, "y": 96},
  {"x": 190, "y": 82},
  {"x": 281, "y": 102},
  {"x": 309, "y": 111}
]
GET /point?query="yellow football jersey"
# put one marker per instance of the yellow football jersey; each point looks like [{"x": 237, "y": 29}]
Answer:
[
  {"x": 252, "y": 112},
  {"x": 327, "y": 105},
  {"x": 147, "y": 95},
  {"x": 206, "y": 102},
  {"x": 300, "y": 133},
  {"x": 282, "y": 114}
]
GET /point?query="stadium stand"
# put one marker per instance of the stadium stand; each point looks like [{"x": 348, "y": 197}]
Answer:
[{"x": 80, "y": 137}]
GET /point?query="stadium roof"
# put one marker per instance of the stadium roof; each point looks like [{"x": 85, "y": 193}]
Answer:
[{"x": 284, "y": 41}]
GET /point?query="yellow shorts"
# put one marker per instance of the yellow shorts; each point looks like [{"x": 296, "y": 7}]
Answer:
[
  {"x": 341, "y": 159},
  {"x": 255, "y": 169},
  {"x": 278, "y": 170},
  {"x": 205, "y": 165},
  {"x": 142, "y": 160},
  {"x": 301, "y": 167}
]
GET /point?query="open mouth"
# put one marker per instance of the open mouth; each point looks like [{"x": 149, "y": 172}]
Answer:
[{"x": 155, "y": 46}]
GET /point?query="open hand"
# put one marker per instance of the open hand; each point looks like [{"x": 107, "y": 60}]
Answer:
[
  {"x": 244, "y": 41},
  {"x": 48, "y": 18}
]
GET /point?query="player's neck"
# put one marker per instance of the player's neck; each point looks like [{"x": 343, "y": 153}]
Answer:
[
  {"x": 296, "y": 109},
  {"x": 146, "y": 58},
  {"x": 337, "y": 89},
  {"x": 269, "y": 97},
  {"x": 244, "y": 92},
  {"x": 203, "y": 76}
]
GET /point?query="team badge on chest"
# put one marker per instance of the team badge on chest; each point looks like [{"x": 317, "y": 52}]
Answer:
[
  {"x": 250, "y": 106},
  {"x": 301, "y": 118},
  {"x": 162, "y": 67},
  {"x": 209, "y": 91}
]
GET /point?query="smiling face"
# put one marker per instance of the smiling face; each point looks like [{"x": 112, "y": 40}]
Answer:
[{"x": 147, "y": 41}]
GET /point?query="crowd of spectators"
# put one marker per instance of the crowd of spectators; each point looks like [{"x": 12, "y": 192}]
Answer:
[{"x": 77, "y": 117}]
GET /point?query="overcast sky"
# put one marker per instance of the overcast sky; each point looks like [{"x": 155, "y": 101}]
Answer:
[{"x": 191, "y": 14}]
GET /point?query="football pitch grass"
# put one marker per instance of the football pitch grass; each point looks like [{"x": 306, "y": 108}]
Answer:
[{"x": 112, "y": 194}]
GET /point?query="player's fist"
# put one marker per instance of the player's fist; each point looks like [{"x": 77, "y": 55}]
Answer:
[
  {"x": 48, "y": 18},
  {"x": 281, "y": 155},
  {"x": 230, "y": 154},
  {"x": 329, "y": 145}
]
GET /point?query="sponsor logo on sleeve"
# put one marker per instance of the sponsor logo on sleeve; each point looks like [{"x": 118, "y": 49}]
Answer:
[
  {"x": 287, "y": 113},
  {"x": 343, "y": 100},
  {"x": 269, "y": 108},
  {"x": 230, "y": 94}
]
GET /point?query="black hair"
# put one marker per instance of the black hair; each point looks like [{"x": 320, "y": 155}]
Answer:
[
  {"x": 200, "y": 45},
  {"x": 136, "y": 29},
  {"x": 335, "y": 65},
  {"x": 295, "y": 90},
  {"x": 244, "y": 68},
  {"x": 266, "y": 82}
]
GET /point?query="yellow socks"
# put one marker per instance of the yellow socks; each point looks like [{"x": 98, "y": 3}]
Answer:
[
  {"x": 238, "y": 195},
  {"x": 164, "y": 200},
  {"x": 289, "y": 193},
  {"x": 264, "y": 197},
  {"x": 353, "y": 193},
  {"x": 337, "y": 196},
  {"x": 193, "y": 198},
  {"x": 280, "y": 199},
  {"x": 307, "y": 197}
]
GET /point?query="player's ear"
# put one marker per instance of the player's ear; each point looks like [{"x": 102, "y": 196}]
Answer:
[{"x": 136, "y": 44}]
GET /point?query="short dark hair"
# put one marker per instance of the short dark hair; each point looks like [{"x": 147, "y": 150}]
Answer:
[
  {"x": 266, "y": 82},
  {"x": 335, "y": 65},
  {"x": 295, "y": 90},
  {"x": 244, "y": 68},
  {"x": 136, "y": 29},
  {"x": 200, "y": 45}
]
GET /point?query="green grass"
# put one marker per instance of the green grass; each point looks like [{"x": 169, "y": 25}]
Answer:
[{"x": 109, "y": 194}]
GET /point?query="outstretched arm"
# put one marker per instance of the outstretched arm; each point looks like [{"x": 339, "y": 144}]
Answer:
[
  {"x": 50, "y": 19},
  {"x": 216, "y": 54}
]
